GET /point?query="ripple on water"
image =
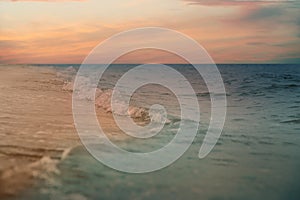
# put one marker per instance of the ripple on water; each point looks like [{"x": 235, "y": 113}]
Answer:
[{"x": 292, "y": 121}]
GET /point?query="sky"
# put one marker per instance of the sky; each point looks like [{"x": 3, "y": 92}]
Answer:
[{"x": 232, "y": 31}]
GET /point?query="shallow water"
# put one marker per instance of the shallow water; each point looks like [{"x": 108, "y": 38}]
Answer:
[{"x": 257, "y": 156}]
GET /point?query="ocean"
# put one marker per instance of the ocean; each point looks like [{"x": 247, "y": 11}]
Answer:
[{"x": 256, "y": 157}]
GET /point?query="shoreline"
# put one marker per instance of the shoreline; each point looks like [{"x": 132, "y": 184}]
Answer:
[{"x": 37, "y": 127}]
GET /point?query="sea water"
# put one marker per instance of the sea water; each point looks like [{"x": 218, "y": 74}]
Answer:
[{"x": 256, "y": 157}]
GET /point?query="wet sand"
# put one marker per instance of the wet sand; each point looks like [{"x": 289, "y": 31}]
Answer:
[{"x": 36, "y": 126}]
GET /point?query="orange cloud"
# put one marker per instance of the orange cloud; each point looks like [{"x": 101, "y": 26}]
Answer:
[
  {"x": 226, "y": 42},
  {"x": 234, "y": 2},
  {"x": 43, "y": 0},
  {"x": 251, "y": 34}
]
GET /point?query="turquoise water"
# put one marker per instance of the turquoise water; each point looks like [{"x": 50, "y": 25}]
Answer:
[{"x": 257, "y": 156}]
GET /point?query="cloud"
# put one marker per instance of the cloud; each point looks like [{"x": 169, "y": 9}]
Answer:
[
  {"x": 234, "y": 2},
  {"x": 270, "y": 16},
  {"x": 263, "y": 13},
  {"x": 252, "y": 33},
  {"x": 50, "y": 1}
]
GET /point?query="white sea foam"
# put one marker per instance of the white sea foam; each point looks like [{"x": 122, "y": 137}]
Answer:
[
  {"x": 103, "y": 98},
  {"x": 67, "y": 74}
]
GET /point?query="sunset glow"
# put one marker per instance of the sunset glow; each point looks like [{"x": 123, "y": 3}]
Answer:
[{"x": 65, "y": 31}]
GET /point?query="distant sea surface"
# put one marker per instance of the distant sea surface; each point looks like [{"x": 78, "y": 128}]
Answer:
[{"x": 256, "y": 157}]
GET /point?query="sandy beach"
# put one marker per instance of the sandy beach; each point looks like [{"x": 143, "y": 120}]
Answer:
[{"x": 36, "y": 126}]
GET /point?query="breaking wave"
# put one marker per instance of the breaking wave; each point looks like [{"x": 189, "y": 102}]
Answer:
[{"x": 103, "y": 98}]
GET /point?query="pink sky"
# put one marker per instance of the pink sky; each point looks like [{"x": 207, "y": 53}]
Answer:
[{"x": 65, "y": 31}]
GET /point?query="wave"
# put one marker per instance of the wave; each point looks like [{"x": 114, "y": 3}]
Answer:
[
  {"x": 18, "y": 178},
  {"x": 283, "y": 86},
  {"x": 103, "y": 98},
  {"x": 293, "y": 121},
  {"x": 67, "y": 73}
]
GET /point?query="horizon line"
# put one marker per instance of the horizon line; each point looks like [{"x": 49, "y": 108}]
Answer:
[{"x": 151, "y": 63}]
